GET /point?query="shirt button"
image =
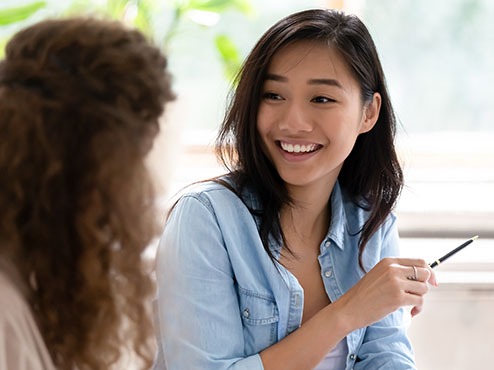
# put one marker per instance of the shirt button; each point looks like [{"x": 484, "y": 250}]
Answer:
[
  {"x": 246, "y": 312},
  {"x": 327, "y": 273},
  {"x": 352, "y": 357},
  {"x": 327, "y": 243}
]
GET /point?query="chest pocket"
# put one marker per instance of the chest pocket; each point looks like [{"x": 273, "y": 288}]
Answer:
[{"x": 259, "y": 320}]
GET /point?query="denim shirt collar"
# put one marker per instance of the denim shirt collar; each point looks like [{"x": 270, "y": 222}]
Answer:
[
  {"x": 336, "y": 229},
  {"x": 338, "y": 225}
]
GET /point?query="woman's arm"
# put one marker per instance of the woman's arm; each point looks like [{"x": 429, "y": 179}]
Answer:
[
  {"x": 199, "y": 315},
  {"x": 382, "y": 291},
  {"x": 375, "y": 302}
]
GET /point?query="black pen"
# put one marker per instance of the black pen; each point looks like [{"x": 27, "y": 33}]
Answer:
[{"x": 454, "y": 251}]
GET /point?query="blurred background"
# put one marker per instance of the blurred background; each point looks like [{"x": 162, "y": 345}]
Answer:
[{"x": 438, "y": 57}]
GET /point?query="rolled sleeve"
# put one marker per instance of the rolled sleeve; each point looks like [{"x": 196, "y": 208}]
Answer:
[{"x": 385, "y": 344}]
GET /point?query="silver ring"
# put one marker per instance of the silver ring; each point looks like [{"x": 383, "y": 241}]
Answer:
[{"x": 414, "y": 276}]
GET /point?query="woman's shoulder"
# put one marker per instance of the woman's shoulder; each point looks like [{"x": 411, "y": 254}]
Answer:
[
  {"x": 219, "y": 190},
  {"x": 10, "y": 297},
  {"x": 11, "y": 288},
  {"x": 24, "y": 348},
  {"x": 219, "y": 198},
  {"x": 208, "y": 192},
  {"x": 203, "y": 188}
]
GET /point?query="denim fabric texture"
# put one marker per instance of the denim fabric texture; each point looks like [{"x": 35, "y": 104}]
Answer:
[{"x": 222, "y": 300}]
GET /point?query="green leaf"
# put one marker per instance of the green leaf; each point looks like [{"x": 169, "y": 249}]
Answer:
[
  {"x": 230, "y": 57},
  {"x": 116, "y": 8},
  {"x": 209, "y": 5},
  {"x": 3, "y": 43},
  {"x": 143, "y": 20},
  {"x": 19, "y": 13},
  {"x": 219, "y": 6},
  {"x": 244, "y": 7},
  {"x": 81, "y": 7}
]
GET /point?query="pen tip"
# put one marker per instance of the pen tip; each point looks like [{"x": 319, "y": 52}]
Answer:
[{"x": 474, "y": 237}]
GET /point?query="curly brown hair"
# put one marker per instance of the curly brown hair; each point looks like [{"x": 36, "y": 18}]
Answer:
[{"x": 80, "y": 101}]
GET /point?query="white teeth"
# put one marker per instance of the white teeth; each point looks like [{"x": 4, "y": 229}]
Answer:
[{"x": 297, "y": 148}]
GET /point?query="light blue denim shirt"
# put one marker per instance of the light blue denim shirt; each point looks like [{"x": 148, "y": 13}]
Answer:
[{"x": 222, "y": 300}]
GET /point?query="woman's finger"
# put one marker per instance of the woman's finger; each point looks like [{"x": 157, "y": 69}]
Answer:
[
  {"x": 416, "y": 310},
  {"x": 423, "y": 270}
]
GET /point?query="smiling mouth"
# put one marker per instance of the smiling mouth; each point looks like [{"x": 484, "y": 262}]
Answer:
[{"x": 298, "y": 148}]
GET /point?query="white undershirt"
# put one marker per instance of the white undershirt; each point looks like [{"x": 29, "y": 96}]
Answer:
[{"x": 336, "y": 359}]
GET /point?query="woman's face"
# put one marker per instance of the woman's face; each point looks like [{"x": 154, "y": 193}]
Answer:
[{"x": 311, "y": 113}]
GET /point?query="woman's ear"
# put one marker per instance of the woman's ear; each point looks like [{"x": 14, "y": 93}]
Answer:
[{"x": 371, "y": 113}]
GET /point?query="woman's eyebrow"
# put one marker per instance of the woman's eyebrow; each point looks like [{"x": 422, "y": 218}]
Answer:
[
  {"x": 312, "y": 81},
  {"x": 325, "y": 81},
  {"x": 275, "y": 77}
]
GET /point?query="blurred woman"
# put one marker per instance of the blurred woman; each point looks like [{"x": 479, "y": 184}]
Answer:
[{"x": 80, "y": 101}]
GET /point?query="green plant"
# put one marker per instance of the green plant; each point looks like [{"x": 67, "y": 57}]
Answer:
[
  {"x": 19, "y": 13},
  {"x": 226, "y": 48},
  {"x": 12, "y": 15},
  {"x": 142, "y": 14}
]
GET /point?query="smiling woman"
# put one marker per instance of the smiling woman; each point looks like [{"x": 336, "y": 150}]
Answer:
[
  {"x": 311, "y": 110},
  {"x": 290, "y": 260}
]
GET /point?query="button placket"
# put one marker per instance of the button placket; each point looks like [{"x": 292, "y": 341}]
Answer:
[{"x": 296, "y": 300}]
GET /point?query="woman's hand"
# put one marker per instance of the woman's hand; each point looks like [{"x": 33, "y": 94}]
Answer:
[{"x": 391, "y": 284}]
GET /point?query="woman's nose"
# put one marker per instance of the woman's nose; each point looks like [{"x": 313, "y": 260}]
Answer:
[{"x": 295, "y": 119}]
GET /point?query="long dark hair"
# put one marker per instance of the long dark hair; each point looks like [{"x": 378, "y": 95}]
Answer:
[{"x": 371, "y": 175}]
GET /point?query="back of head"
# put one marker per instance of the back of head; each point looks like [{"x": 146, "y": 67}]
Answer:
[{"x": 80, "y": 101}]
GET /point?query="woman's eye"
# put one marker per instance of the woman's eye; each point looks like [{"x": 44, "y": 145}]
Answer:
[
  {"x": 322, "y": 99},
  {"x": 271, "y": 96}
]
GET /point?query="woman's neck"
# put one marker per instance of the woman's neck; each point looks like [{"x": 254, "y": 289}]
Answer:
[{"x": 308, "y": 217}]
